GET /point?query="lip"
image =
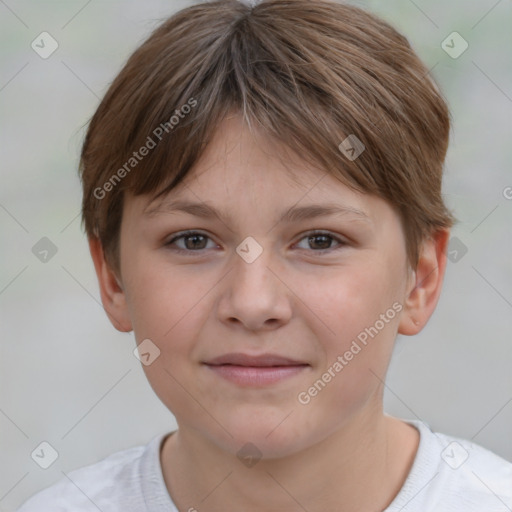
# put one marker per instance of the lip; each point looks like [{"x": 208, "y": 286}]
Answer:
[
  {"x": 261, "y": 360},
  {"x": 261, "y": 370}
]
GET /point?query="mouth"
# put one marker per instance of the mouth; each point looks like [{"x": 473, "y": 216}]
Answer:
[{"x": 261, "y": 370}]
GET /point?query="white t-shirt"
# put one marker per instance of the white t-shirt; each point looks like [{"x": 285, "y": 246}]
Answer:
[{"x": 448, "y": 474}]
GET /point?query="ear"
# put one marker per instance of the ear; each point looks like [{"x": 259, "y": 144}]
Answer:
[
  {"x": 421, "y": 300},
  {"x": 112, "y": 294}
]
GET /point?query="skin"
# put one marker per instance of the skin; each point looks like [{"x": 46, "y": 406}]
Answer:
[{"x": 339, "y": 451}]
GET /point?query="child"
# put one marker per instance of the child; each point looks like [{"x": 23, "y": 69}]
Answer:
[{"x": 257, "y": 132}]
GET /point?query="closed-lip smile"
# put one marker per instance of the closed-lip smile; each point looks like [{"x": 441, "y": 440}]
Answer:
[
  {"x": 255, "y": 370},
  {"x": 241, "y": 359}
]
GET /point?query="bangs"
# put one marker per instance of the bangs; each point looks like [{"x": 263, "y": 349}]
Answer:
[{"x": 329, "y": 81}]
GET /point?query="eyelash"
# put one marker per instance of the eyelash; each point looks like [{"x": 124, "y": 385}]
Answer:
[{"x": 313, "y": 233}]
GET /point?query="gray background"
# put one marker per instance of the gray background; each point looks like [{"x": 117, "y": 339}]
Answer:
[{"x": 69, "y": 378}]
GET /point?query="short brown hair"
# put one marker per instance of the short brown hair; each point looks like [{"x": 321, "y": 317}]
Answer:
[{"x": 308, "y": 73}]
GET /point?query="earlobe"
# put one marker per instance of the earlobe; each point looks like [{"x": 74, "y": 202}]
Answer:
[
  {"x": 421, "y": 300},
  {"x": 111, "y": 289}
]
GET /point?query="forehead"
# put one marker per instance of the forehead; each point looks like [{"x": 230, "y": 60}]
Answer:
[
  {"x": 243, "y": 159},
  {"x": 244, "y": 172},
  {"x": 239, "y": 153}
]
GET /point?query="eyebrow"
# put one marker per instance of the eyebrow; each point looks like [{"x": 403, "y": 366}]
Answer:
[{"x": 294, "y": 214}]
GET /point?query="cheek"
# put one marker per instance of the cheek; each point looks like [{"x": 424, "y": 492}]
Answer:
[
  {"x": 347, "y": 300},
  {"x": 167, "y": 309},
  {"x": 349, "y": 305},
  {"x": 163, "y": 301}
]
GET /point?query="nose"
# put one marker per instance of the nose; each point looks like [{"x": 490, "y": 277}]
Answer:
[{"x": 253, "y": 296}]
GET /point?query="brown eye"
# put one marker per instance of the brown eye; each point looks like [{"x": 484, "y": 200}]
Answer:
[
  {"x": 192, "y": 241},
  {"x": 321, "y": 242}
]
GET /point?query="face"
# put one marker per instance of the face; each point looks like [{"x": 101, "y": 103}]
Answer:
[{"x": 319, "y": 296}]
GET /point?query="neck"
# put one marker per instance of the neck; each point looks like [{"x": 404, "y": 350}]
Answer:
[{"x": 360, "y": 467}]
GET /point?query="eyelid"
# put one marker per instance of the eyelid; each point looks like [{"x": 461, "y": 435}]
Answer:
[
  {"x": 190, "y": 232},
  {"x": 339, "y": 239},
  {"x": 184, "y": 234}
]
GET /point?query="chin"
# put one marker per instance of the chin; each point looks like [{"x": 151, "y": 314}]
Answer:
[{"x": 266, "y": 435}]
